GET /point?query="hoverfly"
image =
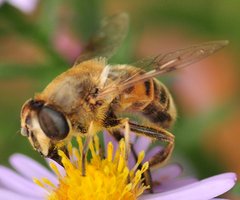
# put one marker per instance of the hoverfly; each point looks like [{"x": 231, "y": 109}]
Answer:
[{"x": 92, "y": 95}]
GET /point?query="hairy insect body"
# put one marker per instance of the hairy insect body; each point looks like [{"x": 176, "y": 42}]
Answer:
[
  {"x": 151, "y": 99},
  {"x": 93, "y": 96},
  {"x": 73, "y": 92},
  {"x": 73, "y": 95},
  {"x": 161, "y": 111}
]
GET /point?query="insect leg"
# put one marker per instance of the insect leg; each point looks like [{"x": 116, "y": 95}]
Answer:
[
  {"x": 126, "y": 137},
  {"x": 158, "y": 134},
  {"x": 53, "y": 154},
  {"x": 89, "y": 137},
  {"x": 147, "y": 174},
  {"x": 118, "y": 136},
  {"x": 120, "y": 123},
  {"x": 112, "y": 124}
]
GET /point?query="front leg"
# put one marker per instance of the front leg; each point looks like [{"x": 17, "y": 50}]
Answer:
[
  {"x": 90, "y": 133},
  {"x": 113, "y": 124}
]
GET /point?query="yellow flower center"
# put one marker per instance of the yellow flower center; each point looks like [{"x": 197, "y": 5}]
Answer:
[{"x": 106, "y": 178}]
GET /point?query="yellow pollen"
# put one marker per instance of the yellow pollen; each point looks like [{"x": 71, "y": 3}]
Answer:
[{"x": 106, "y": 178}]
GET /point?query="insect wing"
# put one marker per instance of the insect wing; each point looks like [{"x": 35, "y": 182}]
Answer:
[
  {"x": 108, "y": 38},
  {"x": 182, "y": 57},
  {"x": 164, "y": 63}
]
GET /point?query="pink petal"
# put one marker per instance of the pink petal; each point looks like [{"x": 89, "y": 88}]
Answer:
[
  {"x": 1, "y": 2},
  {"x": 17, "y": 183},
  {"x": 30, "y": 168},
  {"x": 202, "y": 190}
]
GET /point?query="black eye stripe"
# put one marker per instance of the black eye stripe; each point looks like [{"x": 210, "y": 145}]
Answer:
[
  {"x": 53, "y": 123},
  {"x": 36, "y": 104}
]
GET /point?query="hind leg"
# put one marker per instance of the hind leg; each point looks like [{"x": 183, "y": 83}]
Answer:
[{"x": 159, "y": 134}]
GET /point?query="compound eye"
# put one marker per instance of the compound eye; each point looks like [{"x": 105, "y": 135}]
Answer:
[{"x": 53, "y": 123}]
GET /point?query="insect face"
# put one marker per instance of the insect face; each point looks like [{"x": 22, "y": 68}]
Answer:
[{"x": 44, "y": 126}]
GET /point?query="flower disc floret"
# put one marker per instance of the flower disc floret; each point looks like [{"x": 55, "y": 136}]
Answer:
[{"x": 106, "y": 178}]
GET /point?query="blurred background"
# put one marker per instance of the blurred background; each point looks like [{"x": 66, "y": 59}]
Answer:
[{"x": 40, "y": 39}]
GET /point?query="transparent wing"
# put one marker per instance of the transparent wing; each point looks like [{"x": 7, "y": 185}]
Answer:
[
  {"x": 161, "y": 64},
  {"x": 108, "y": 38}
]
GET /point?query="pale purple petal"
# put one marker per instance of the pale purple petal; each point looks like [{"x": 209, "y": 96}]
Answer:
[
  {"x": 220, "y": 199},
  {"x": 133, "y": 137},
  {"x": 9, "y": 195},
  {"x": 17, "y": 183},
  {"x": 30, "y": 169},
  {"x": 202, "y": 190},
  {"x": 26, "y": 6},
  {"x": 152, "y": 152},
  {"x": 142, "y": 144},
  {"x": 60, "y": 168},
  {"x": 131, "y": 160},
  {"x": 173, "y": 184},
  {"x": 166, "y": 173},
  {"x": 109, "y": 138}
]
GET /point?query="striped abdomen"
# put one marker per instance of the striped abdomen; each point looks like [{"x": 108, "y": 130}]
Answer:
[{"x": 161, "y": 110}]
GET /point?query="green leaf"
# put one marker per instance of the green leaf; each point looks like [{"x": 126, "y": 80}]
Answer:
[
  {"x": 86, "y": 16},
  {"x": 236, "y": 189},
  {"x": 37, "y": 72},
  {"x": 49, "y": 17}
]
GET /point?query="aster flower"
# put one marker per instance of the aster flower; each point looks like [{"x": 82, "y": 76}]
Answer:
[
  {"x": 19, "y": 184},
  {"x": 168, "y": 183},
  {"x": 106, "y": 178}
]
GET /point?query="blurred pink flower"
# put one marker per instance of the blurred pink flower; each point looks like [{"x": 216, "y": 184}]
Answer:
[
  {"x": 207, "y": 84},
  {"x": 67, "y": 44},
  {"x": 26, "y": 6}
]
